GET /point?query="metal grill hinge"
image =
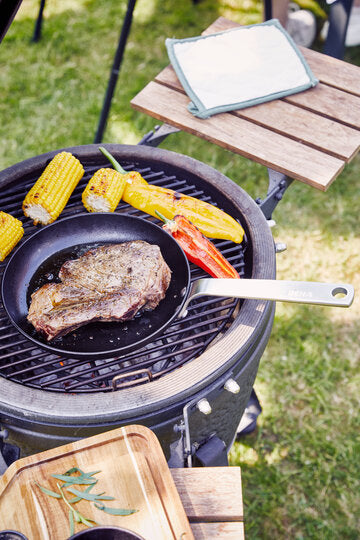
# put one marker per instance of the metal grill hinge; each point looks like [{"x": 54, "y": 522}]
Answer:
[
  {"x": 156, "y": 136},
  {"x": 278, "y": 184}
]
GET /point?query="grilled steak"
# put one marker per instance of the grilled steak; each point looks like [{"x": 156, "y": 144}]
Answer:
[{"x": 110, "y": 283}]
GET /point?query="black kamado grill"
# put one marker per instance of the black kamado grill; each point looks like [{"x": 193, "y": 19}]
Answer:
[{"x": 192, "y": 383}]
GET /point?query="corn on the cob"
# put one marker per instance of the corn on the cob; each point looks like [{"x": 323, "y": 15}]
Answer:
[
  {"x": 11, "y": 231},
  {"x": 47, "y": 198},
  {"x": 104, "y": 191}
]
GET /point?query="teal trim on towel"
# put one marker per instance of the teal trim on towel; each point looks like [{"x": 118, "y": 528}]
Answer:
[{"x": 197, "y": 108}]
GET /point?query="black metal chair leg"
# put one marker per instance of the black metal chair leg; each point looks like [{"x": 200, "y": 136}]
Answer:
[
  {"x": 267, "y": 9},
  {"x": 38, "y": 24},
  {"x": 115, "y": 70},
  {"x": 338, "y": 22}
]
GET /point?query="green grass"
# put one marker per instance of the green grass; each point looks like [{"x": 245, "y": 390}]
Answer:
[{"x": 300, "y": 468}]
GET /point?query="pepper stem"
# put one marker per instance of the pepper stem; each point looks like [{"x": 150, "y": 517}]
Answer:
[
  {"x": 163, "y": 218},
  {"x": 112, "y": 160}
]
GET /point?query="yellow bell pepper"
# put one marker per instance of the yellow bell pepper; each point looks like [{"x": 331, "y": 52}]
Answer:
[{"x": 212, "y": 222}]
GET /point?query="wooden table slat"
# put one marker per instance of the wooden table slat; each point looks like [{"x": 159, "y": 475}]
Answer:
[
  {"x": 297, "y": 122},
  {"x": 211, "y": 493},
  {"x": 333, "y": 71},
  {"x": 240, "y": 136},
  {"x": 332, "y": 103},
  {"x": 212, "y": 499},
  {"x": 218, "y": 531}
]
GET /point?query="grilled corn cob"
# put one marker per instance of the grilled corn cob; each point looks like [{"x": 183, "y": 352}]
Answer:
[
  {"x": 47, "y": 198},
  {"x": 11, "y": 231},
  {"x": 104, "y": 191}
]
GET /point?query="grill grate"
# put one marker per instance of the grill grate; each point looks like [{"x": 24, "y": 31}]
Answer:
[{"x": 22, "y": 362}]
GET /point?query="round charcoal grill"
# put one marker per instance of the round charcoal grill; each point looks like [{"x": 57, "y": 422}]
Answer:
[{"x": 47, "y": 400}]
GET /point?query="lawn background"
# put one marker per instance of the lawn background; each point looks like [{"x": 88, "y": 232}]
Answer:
[{"x": 300, "y": 468}]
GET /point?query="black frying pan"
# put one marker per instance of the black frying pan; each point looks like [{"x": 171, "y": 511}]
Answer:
[{"x": 45, "y": 251}]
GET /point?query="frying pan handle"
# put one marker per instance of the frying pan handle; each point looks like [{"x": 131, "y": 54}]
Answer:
[{"x": 302, "y": 292}]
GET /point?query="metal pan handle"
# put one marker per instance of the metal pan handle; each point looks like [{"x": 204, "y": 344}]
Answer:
[{"x": 301, "y": 292}]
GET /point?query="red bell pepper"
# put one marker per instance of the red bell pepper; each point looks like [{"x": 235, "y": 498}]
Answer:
[{"x": 198, "y": 249}]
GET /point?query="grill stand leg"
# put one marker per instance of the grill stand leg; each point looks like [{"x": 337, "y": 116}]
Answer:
[
  {"x": 3, "y": 464},
  {"x": 8, "y": 452},
  {"x": 177, "y": 449},
  {"x": 249, "y": 419},
  {"x": 212, "y": 453}
]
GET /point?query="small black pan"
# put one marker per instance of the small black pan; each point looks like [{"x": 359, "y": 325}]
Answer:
[{"x": 39, "y": 258}]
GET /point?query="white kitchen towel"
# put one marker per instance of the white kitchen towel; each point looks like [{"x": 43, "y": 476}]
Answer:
[{"x": 239, "y": 68}]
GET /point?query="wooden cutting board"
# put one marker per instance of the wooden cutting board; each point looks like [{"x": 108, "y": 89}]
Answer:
[{"x": 133, "y": 470}]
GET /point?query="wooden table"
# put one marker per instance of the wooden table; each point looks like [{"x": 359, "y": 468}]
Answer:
[
  {"x": 308, "y": 136},
  {"x": 212, "y": 498}
]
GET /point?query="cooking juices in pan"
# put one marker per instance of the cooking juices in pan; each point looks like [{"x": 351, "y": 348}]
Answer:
[
  {"x": 113, "y": 282},
  {"x": 48, "y": 271},
  {"x": 114, "y": 332}
]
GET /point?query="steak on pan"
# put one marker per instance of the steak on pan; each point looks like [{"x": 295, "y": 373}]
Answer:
[{"x": 110, "y": 283}]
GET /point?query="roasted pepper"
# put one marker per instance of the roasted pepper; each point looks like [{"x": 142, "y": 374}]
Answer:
[
  {"x": 211, "y": 221},
  {"x": 197, "y": 248}
]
